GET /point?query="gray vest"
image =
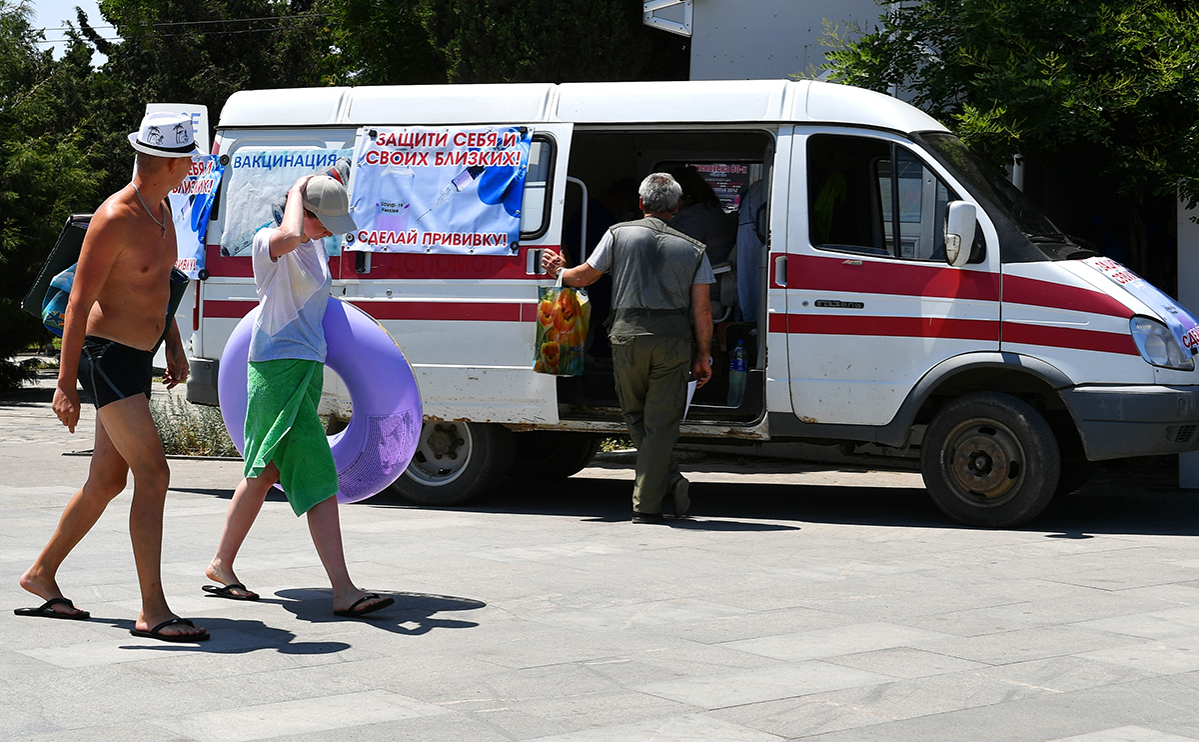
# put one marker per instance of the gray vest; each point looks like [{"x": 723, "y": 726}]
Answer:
[{"x": 653, "y": 269}]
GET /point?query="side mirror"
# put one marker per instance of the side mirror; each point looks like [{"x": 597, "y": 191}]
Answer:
[{"x": 959, "y": 233}]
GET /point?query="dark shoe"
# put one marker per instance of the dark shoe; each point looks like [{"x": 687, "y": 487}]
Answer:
[
  {"x": 678, "y": 497},
  {"x": 647, "y": 517}
]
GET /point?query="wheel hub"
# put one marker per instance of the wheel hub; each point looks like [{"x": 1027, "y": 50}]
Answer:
[
  {"x": 444, "y": 441},
  {"x": 985, "y": 462}
]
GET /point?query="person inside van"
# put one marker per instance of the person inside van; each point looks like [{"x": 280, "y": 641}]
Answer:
[
  {"x": 285, "y": 440},
  {"x": 751, "y": 238},
  {"x": 702, "y": 216}
]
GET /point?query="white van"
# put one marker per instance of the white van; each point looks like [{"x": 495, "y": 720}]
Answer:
[{"x": 911, "y": 302}]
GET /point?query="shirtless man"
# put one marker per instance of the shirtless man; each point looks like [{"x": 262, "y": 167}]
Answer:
[{"x": 115, "y": 316}]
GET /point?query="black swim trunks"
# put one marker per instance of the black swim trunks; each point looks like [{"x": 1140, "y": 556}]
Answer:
[{"x": 110, "y": 371}]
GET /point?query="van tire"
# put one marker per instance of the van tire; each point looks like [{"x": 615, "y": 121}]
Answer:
[
  {"x": 546, "y": 455},
  {"x": 455, "y": 462},
  {"x": 991, "y": 460},
  {"x": 1074, "y": 475}
]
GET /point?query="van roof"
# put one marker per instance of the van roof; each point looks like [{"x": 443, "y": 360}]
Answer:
[{"x": 715, "y": 101}]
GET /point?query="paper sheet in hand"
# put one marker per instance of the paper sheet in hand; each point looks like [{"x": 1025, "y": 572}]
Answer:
[{"x": 691, "y": 386}]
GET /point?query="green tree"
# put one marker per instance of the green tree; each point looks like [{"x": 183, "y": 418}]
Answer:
[
  {"x": 201, "y": 52},
  {"x": 476, "y": 41},
  {"x": 51, "y": 165},
  {"x": 379, "y": 42},
  {"x": 1105, "y": 91}
]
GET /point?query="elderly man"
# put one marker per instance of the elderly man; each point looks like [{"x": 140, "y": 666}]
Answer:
[
  {"x": 115, "y": 316},
  {"x": 660, "y": 306}
]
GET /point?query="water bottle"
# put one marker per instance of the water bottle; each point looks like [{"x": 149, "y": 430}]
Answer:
[{"x": 737, "y": 375}]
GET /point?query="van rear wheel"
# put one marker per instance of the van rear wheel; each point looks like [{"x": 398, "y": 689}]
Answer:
[
  {"x": 455, "y": 462},
  {"x": 991, "y": 460}
]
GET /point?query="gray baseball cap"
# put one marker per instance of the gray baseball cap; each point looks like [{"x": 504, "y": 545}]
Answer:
[{"x": 330, "y": 201}]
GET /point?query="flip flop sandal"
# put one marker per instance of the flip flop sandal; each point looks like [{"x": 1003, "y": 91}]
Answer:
[
  {"x": 156, "y": 632},
  {"x": 226, "y": 591},
  {"x": 46, "y": 610},
  {"x": 354, "y": 611}
]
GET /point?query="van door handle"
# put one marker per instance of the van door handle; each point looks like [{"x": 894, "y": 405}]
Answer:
[
  {"x": 533, "y": 262},
  {"x": 780, "y": 270}
]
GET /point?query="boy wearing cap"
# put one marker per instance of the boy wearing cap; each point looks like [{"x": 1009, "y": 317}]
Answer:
[
  {"x": 285, "y": 440},
  {"x": 116, "y": 313}
]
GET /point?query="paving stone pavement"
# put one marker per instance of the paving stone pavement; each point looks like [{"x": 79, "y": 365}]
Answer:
[{"x": 798, "y": 603}]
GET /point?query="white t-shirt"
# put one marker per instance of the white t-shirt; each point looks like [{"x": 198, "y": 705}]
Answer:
[{"x": 292, "y": 291}]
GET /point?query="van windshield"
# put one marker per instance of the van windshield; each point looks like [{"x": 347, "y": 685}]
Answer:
[{"x": 989, "y": 186}]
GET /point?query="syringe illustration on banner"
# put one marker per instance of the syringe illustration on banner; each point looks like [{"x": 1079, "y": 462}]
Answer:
[
  {"x": 495, "y": 184},
  {"x": 454, "y": 187}
]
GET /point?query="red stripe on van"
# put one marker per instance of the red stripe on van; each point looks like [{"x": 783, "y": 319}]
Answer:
[
  {"x": 419, "y": 310},
  {"x": 1020, "y": 290},
  {"x": 1068, "y": 337},
  {"x": 860, "y": 274},
  {"x": 227, "y": 308},
  {"x": 406, "y": 266},
  {"x": 914, "y": 327},
  {"x": 445, "y": 311},
  {"x": 958, "y": 329},
  {"x": 399, "y": 266}
]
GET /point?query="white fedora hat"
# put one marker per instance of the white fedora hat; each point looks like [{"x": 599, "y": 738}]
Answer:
[{"x": 165, "y": 134}]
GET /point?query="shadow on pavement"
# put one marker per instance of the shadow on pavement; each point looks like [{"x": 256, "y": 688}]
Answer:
[
  {"x": 229, "y": 636},
  {"x": 412, "y": 614},
  {"x": 1122, "y": 500}
]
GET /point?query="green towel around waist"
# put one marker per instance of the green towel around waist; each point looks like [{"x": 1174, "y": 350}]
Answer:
[{"x": 282, "y": 426}]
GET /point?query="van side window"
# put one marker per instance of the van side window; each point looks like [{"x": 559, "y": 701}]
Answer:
[
  {"x": 534, "y": 210},
  {"x": 862, "y": 192}
]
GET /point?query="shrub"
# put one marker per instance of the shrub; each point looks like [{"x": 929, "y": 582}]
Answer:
[{"x": 191, "y": 430}]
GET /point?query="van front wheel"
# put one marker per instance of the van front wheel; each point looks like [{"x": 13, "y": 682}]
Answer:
[
  {"x": 455, "y": 462},
  {"x": 991, "y": 460}
]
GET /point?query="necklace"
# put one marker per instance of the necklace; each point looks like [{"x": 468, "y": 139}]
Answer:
[{"x": 161, "y": 224}]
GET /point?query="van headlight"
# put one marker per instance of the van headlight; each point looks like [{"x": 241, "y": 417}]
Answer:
[{"x": 1158, "y": 346}]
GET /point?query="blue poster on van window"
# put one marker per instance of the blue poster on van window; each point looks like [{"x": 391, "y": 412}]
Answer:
[
  {"x": 1181, "y": 323},
  {"x": 445, "y": 190},
  {"x": 256, "y": 189},
  {"x": 191, "y": 204}
]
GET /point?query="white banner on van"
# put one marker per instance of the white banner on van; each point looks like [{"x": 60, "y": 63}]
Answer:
[
  {"x": 258, "y": 181},
  {"x": 191, "y": 204},
  {"x": 445, "y": 190}
]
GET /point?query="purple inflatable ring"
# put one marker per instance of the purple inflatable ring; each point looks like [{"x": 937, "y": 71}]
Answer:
[{"x": 374, "y": 450}]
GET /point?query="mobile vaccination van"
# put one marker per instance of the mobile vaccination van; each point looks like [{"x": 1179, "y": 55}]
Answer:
[{"x": 895, "y": 297}]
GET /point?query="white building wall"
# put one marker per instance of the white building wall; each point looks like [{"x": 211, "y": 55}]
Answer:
[{"x": 767, "y": 39}]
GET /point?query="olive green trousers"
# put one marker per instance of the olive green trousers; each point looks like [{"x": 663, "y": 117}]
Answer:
[{"x": 651, "y": 382}]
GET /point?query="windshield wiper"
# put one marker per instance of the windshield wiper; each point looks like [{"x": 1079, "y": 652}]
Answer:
[
  {"x": 1043, "y": 237},
  {"x": 1062, "y": 245}
]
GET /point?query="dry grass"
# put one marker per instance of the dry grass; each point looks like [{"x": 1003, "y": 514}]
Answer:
[{"x": 191, "y": 430}]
